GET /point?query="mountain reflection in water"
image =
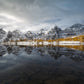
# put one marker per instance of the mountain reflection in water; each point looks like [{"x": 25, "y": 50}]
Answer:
[{"x": 41, "y": 65}]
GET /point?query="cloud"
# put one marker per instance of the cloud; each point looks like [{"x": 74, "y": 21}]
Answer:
[{"x": 34, "y": 14}]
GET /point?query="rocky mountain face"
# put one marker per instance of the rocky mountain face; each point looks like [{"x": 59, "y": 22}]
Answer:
[
  {"x": 2, "y": 34},
  {"x": 53, "y": 33},
  {"x": 76, "y": 29},
  {"x": 29, "y": 35},
  {"x": 15, "y": 35},
  {"x": 42, "y": 34},
  {"x": 18, "y": 35}
]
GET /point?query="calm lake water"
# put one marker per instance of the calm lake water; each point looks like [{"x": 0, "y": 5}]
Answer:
[{"x": 41, "y": 65}]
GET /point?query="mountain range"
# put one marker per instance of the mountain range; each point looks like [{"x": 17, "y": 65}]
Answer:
[{"x": 53, "y": 33}]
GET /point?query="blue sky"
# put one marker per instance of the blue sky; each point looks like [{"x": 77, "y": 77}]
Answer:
[{"x": 36, "y": 14}]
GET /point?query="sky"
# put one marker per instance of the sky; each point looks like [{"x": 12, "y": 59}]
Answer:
[{"x": 33, "y": 15}]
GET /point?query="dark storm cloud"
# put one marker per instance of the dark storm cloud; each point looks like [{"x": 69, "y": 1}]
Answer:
[{"x": 35, "y": 12}]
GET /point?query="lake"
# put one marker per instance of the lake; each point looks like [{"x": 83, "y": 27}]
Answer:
[{"x": 41, "y": 65}]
